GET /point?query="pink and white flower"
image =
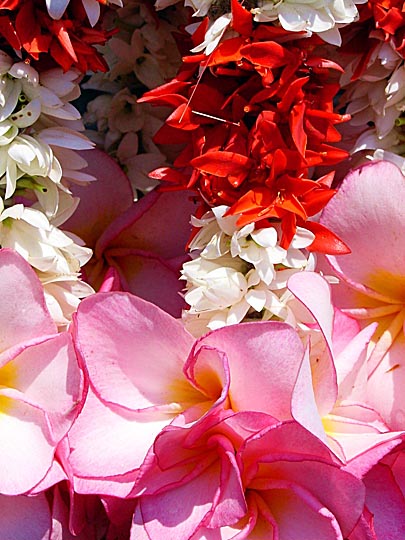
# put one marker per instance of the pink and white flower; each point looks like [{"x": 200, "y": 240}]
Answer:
[{"x": 368, "y": 212}]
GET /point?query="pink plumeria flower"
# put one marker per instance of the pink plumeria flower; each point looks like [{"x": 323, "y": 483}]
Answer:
[
  {"x": 368, "y": 213},
  {"x": 144, "y": 241},
  {"x": 192, "y": 470},
  {"x": 145, "y": 369},
  {"x": 245, "y": 476},
  {"x": 338, "y": 412},
  {"x": 41, "y": 383}
]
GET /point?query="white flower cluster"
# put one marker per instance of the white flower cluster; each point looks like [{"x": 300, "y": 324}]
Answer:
[
  {"x": 313, "y": 16},
  {"x": 378, "y": 97},
  {"x": 322, "y": 17},
  {"x": 241, "y": 273},
  {"x": 39, "y": 137},
  {"x": 143, "y": 54}
]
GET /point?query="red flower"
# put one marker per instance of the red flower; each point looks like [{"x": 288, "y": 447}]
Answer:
[
  {"x": 255, "y": 117},
  {"x": 70, "y": 41}
]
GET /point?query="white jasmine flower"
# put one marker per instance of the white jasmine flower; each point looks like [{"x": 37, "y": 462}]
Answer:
[
  {"x": 241, "y": 273},
  {"x": 212, "y": 285},
  {"x": 313, "y": 16},
  {"x": 200, "y": 7},
  {"x": 45, "y": 247},
  {"x": 26, "y": 155},
  {"x": 24, "y": 95}
]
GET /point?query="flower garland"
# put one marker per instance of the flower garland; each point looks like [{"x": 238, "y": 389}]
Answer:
[{"x": 202, "y": 319}]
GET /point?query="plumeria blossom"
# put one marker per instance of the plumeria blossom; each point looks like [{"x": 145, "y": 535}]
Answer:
[
  {"x": 198, "y": 376},
  {"x": 340, "y": 414},
  {"x": 257, "y": 367},
  {"x": 252, "y": 496},
  {"x": 127, "y": 236},
  {"x": 41, "y": 380},
  {"x": 372, "y": 283}
]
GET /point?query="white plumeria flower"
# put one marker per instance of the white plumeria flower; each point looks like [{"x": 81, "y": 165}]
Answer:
[{"x": 45, "y": 247}]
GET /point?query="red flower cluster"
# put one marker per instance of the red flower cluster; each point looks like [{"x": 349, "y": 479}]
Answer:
[
  {"x": 256, "y": 118},
  {"x": 26, "y": 26}
]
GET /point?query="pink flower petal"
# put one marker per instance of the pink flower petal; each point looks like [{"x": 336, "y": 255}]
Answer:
[
  {"x": 386, "y": 501},
  {"x": 133, "y": 351},
  {"x": 303, "y": 404},
  {"x": 125, "y": 437},
  {"x": 20, "y": 323},
  {"x": 150, "y": 277},
  {"x": 23, "y": 428},
  {"x": 314, "y": 292},
  {"x": 345, "y": 328},
  {"x": 158, "y": 223},
  {"x": 24, "y": 518},
  {"x": 264, "y": 360},
  {"x": 368, "y": 214},
  {"x": 288, "y": 453},
  {"x": 385, "y": 386},
  {"x": 49, "y": 376},
  {"x": 351, "y": 367},
  {"x": 101, "y": 201},
  {"x": 296, "y": 509},
  {"x": 176, "y": 514}
]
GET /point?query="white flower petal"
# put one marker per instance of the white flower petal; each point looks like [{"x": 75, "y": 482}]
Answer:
[{"x": 56, "y": 8}]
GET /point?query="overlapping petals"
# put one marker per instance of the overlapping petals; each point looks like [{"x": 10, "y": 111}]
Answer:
[
  {"x": 368, "y": 213},
  {"x": 143, "y": 241},
  {"x": 41, "y": 380},
  {"x": 255, "y": 495},
  {"x": 136, "y": 392}
]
